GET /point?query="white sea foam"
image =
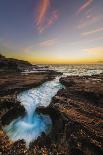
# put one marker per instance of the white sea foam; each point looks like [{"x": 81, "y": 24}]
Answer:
[{"x": 33, "y": 124}]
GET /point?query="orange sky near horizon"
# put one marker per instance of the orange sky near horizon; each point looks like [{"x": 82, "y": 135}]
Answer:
[
  {"x": 52, "y": 31},
  {"x": 94, "y": 57}
]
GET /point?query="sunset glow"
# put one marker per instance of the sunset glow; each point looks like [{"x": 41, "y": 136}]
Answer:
[{"x": 52, "y": 31}]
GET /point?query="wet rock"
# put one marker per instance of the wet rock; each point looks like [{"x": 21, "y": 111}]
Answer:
[
  {"x": 10, "y": 85},
  {"x": 81, "y": 106},
  {"x": 12, "y": 114},
  {"x": 76, "y": 112}
]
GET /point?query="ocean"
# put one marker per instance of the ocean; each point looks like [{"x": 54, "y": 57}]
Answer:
[{"x": 83, "y": 69}]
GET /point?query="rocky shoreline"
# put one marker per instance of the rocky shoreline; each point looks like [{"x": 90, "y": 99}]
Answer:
[
  {"x": 76, "y": 112},
  {"x": 11, "y": 84},
  {"x": 77, "y": 120},
  {"x": 13, "y": 80},
  {"x": 81, "y": 103},
  {"x": 77, "y": 115}
]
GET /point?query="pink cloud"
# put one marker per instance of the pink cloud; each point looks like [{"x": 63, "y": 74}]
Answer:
[
  {"x": 43, "y": 20},
  {"x": 48, "y": 43},
  {"x": 90, "y": 17},
  {"x": 88, "y": 21},
  {"x": 42, "y": 10},
  {"x": 51, "y": 20},
  {"x": 84, "y": 6},
  {"x": 93, "y": 31}
]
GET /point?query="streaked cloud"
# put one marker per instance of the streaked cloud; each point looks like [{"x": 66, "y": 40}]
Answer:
[
  {"x": 44, "y": 19},
  {"x": 50, "y": 21},
  {"x": 96, "y": 51},
  {"x": 84, "y": 6},
  {"x": 27, "y": 49},
  {"x": 86, "y": 41},
  {"x": 53, "y": 18},
  {"x": 48, "y": 43},
  {"x": 42, "y": 10},
  {"x": 93, "y": 31},
  {"x": 88, "y": 21},
  {"x": 90, "y": 17}
]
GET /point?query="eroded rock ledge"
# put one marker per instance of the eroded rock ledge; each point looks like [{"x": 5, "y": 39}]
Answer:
[
  {"x": 10, "y": 85},
  {"x": 81, "y": 104},
  {"x": 77, "y": 115}
]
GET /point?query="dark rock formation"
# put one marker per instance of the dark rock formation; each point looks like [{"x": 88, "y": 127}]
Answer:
[
  {"x": 13, "y": 65},
  {"x": 77, "y": 115},
  {"x": 81, "y": 108},
  {"x": 13, "y": 82},
  {"x": 76, "y": 112}
]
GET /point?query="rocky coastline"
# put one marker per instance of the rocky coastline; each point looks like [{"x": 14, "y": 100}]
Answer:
[
  {"x": 14, "y": 80},
  {"x": 76, "y": 112},
  {"x": 77, "y": 115}
]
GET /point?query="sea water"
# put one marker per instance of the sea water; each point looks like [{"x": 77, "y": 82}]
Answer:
[{"x": 33, "y": 124}]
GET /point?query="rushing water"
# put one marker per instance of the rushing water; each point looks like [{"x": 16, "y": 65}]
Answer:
[{"x": 33, "y": 124}]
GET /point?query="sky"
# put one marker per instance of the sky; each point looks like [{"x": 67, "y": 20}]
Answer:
[{"x": 52, "y": 31}]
